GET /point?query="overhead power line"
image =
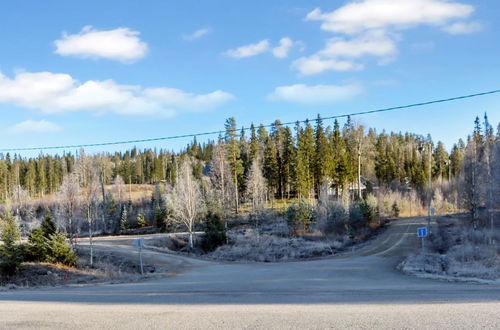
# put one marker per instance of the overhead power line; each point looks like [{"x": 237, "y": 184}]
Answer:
[{"x": 401, "y": 107}]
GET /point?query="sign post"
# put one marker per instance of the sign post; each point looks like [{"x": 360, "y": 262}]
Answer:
[
  {"x": 139, "y": 242},
  {"x": 422, "y": 233}
]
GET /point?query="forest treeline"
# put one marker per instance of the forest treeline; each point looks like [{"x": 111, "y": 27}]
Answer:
[{"x": 294, "y": 161}]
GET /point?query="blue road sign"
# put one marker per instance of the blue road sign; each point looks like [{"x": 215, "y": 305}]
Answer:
[
  {"x": 422, "y": 232},
  {"x": 139, "y": 242}
]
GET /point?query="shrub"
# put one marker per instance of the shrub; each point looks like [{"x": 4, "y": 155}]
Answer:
[
  {"x": 123, "y": 219},
  {"x": 356, "y": 219},
  {"x": 60, "y": 251},
  {"x": 395, "y": 210},
  {"x": 334, "y": 218},
  {"x": 215, "y": 233},
  {"x": 53, "y": 248},
  {"x": 141, "y": 221},
  {"x": 300, "y": 216},
  {"x": 37, "y": 248},
  {"x": 160, "y": 216},
  {"x": 369, "y": 207},
  {"x": 10, "y": 251}
]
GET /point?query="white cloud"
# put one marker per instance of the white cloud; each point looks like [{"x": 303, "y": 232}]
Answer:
[
  {"x": 197, "y": 34},
  {"x": 372, "y": 28},
  {"x": 315, "y": 64},
  {"x": 315, "y": 95},
  {"x": 34, "y": 126},
  {"x": 359, "y": 16},
  {"x": 284, "y": 47},
  {"x": 374, "y": 44},
  {"x": 121, "y": 44},
  {"x": 58, "y": 93},
  {"x": 249, "y": 50},
  {"x": 463, "y": 27}
]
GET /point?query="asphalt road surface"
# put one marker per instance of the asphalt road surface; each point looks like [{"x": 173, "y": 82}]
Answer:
[{"x": 360, "y": 289}]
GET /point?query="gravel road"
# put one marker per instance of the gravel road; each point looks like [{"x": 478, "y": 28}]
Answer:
[{"x": 360, "y": 289}]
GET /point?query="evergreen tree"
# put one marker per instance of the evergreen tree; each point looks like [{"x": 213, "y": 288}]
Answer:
[
  {"x": 48, "y": 225},
  {"x": 215, "y": 233},
  {"x": 254, "y": 144},
  {"x": 124, "y": 219},
  {"x": 322, "y": 161},
  {"x": 10, "y": 255},
  {"x": 305, "y": 160},
  {"x": 271, "y": 166},
  {"x": 339, "y": 159},
  {"x": 288, "y": 162},
  {"x": 234, "y": 156},
  {"x": 457, "y": 157}
]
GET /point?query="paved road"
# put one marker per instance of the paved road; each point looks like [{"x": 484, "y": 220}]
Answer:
[{"x": 360, "y": 289}]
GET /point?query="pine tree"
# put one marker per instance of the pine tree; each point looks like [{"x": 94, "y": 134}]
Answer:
[
  {"x": 234, "y": 156},
  {"x": 270, "y": 166},
  {"x": 457, "y": 157},
  {"x": 322, "y": 161},
  {"x": 441, "y": 161},
  {"x": 254, "y": 144},
  {"x": 339, "y": 163},
  {"x": 305, "y": 160},
  {"x": 289, "y": 161}
]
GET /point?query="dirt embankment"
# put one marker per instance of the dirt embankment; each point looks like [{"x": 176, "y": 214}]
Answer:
[{"x": 106, "y": 268}]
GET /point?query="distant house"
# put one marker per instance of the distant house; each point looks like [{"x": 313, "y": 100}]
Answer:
[{"x": 366, "y": 187}]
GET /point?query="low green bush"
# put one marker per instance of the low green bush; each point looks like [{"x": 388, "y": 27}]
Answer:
[
  {"x": 300, "y": 216},
  {"x": 215, "y": 233}
]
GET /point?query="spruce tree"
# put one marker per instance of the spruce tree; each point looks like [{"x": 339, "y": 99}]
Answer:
[
  {"x": 322, "y": 160},
  {"x": 48, "y": 225},
  {"x": 234, "y": 156},
  {"x": 305, "y": 160},
  {"x": 10, "y": 254}
]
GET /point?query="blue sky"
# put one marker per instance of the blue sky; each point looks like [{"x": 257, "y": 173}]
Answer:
[{"x": 99, "y": 71}]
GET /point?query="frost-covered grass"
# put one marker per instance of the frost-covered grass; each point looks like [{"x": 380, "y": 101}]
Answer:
[
  {"x": 270, "y": 248},
  {"x": 458, "y": 251}
]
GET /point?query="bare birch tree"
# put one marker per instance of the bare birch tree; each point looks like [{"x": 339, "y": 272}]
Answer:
[
  {"x": 220, "y": 178},
  {"x": 186, "y": 200},
  {"x": 68, "y": 200},
  {"x": 256, "y": 187},
  {"x": 88, "y": 173}
]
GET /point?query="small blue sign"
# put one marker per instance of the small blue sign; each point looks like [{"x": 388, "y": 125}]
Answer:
[
  {"x": 139, "y": 242},
  {"x": 422, "y": 232}
]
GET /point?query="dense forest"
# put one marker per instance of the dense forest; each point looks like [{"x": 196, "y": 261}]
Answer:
[
  {"x": 294, "y": 161},
  {"x": 329, "y": 180}
]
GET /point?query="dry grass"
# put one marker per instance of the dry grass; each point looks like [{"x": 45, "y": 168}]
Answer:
[
  {"x": 459, "y": 251},
  {"x": 251, "y": 246}
]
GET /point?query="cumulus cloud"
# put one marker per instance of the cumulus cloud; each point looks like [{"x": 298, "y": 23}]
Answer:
[
  {"x": 316, "y": 64},
  {"x": 121, "y": 44},
  {"x": 249, "y": 50},
  {"x": 359, "y": 16},
  {"x": 371, "y": 28},
  {"x": 264, "y": 46},
  {"x": 58, "y": 93},
  {"x": 315, "y": 95},
  {"x": 197, "y": 34},
  {"x": 463, "y": 27},
  {"x": 34, "y": 126},
  {"x": 374, "y": 44},
  {"x": 281, "y": 51}
]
